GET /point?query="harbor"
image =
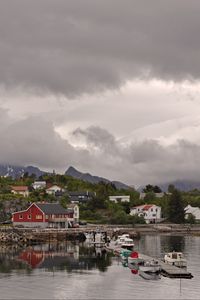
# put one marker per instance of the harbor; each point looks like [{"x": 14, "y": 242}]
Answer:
[{"x": 73, "y": 263}]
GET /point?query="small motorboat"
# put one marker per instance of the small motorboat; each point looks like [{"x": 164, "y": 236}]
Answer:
[
  {"x": 127, "y": 244},
  {"x": 176, "y": 259},
  {"x": 121, "y": 239},
  {"x": 150, "y": 266},
  {"x": 124, "y": 241}
]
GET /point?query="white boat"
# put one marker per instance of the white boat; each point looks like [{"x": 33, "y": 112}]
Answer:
[
  {"x": 150, "y": 266},
  {"x": 121, "y": 239},
  {"x": 125, "y": 242},
  {"x": 176, "y": 259}
]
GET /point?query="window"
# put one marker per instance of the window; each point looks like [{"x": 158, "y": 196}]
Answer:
[
  {"x": 20, "y": 216},
  {"x": 29, "y": 216},
  {"x": 38, "y": 217},
  {"x": 46, "y": 216}
]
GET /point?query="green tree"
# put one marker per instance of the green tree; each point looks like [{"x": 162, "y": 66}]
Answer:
[
  {"x": 171, "y": 188},
  {"x": 149, "y": 197},
  {"x": 176, "y": 207},
  {"x": 152, "y": 188},
  {"x": 191, "y": 219}
]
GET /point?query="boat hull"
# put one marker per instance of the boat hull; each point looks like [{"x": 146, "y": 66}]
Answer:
[
  {"x": 179, "y": 264},
  {"x": 150, "y": 269}
]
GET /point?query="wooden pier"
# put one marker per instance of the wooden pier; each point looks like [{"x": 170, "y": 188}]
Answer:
[{"x": 167, "y": 270}]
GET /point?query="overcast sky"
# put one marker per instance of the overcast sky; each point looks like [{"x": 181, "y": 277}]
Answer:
[{"x": 111, "y": 87}]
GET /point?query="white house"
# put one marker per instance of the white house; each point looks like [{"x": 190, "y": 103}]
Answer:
[
  {"x": 39, "y": 185},
  {"x": 53, "y": 189},
  {"x": 75, "y": 209},
  {"x": 20, "y": 190},
  {"x": 195, "y": 211},
  {"x": 150, "y": 212},
  {"x": 117, "y": 199}
]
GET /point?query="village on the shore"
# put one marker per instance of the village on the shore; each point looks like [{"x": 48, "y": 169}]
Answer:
[{"x": 60, "y": 201}]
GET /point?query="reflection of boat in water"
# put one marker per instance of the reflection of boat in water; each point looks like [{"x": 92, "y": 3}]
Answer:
[
  {"x": 149, "y": 276},
  {"x": 176, "y": 259},
  {"x": 151, "y": 266}
]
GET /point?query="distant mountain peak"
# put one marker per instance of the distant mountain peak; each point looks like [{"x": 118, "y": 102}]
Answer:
[
  {"x": 71, "y": 171},
  {"x": 18, "y": 171}
]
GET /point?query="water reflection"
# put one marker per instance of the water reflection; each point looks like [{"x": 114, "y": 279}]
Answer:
[
  {"x": 79, "y": 271},
  {"x": 51, "y": 257}
]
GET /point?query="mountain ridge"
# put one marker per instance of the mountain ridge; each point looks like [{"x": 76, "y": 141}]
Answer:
[
  {"x": 71, "y": 171},
  {"x": 14, "y": 171}
]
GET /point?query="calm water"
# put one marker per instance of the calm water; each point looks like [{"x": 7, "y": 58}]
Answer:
[{"x": 74, "y": 271}]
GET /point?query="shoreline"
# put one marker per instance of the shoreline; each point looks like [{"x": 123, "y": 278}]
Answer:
[{"x": 13, "y": 235}]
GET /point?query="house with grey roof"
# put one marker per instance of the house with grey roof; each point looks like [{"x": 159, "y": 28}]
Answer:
[{"x": 40, "y": 214}]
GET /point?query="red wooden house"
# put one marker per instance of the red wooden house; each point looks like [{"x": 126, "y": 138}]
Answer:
[{"x": 44, "y": 215}]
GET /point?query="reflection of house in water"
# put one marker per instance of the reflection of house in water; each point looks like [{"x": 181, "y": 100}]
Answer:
[
  {"x": 47, "y": 256},
  {"x": 32, "y": 258},
  {"x": 66, "y": 256}
]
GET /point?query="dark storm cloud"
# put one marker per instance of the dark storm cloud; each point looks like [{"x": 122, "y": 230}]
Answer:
[
  {"x": 34, "y": 141},
  {"x": 72, "y": 47}
]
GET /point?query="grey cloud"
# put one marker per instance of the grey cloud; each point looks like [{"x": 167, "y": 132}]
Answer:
[
  {"x": 98, "y": 137},
  {"x": 74, "y": 47},
  {"x": 34, "y": 141},
  {"x": 143, "y": 162}
]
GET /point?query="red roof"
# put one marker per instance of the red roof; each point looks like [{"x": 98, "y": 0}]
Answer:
[
  {"x": 146, "y": 207},
  {"x": 20, "y": 188}
]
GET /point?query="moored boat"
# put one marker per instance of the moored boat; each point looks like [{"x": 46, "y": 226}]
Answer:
[
  {"x": 135, "y": 259},
  {"x": 151, "y": 266},
  {"x": 124, "y": 241},
  {"x": 176, "y": 259}
]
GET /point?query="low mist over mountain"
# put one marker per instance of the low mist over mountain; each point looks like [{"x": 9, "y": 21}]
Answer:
[
  {"x": 182, "y": 185},
  {"x": 94, "y": 179},
  {"x": 18, "y": 171}
]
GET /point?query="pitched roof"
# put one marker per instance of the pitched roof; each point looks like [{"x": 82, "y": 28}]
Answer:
[
  {"x": 146, "y": 207},
  {"x": 52, "y": 208},
  {"x": 20, "y": 188},
  {"x": 50, "y": 185}
]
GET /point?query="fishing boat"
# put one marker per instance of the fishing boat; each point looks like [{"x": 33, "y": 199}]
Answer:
[{"x": 176, "y": 259}]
